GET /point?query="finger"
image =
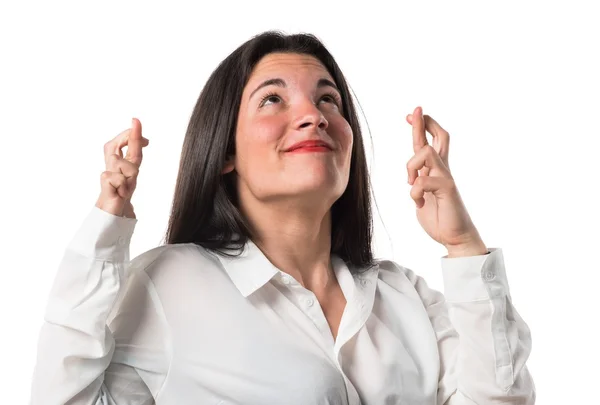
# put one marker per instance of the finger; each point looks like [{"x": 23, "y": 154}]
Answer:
[
  {"x": 432, "y": 184},
  {"x": 418, "y": 129},
  {"x": 134, "y": 143},
  {"x": 125, "y": 140},
  {"x": 116, "y": 144},
  {"x": 441, "y": 137},
  {"x": 118, "y": 164},
  {"x": 425, "y": 170},
  {"x": 114, "y": 184},
  {"x": 428, "y": 158}
]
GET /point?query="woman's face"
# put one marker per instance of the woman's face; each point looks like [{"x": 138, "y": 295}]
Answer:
[{"x": 291, "y": 98}]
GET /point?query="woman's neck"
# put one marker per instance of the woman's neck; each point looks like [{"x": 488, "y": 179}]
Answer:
[{"x": 297, "y": 241}]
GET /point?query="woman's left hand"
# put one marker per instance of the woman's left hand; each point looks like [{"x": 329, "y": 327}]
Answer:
[{"x": 440, "y": 209}]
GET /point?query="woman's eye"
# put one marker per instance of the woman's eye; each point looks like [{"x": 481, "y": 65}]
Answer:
[
  {"x": 331, "y": 99},
  {"x": 274, "y": 99},
  {"x": 270, "y": 97}
]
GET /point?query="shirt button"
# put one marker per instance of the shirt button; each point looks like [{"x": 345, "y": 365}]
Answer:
[
  {"x": 489, "y": 276},
  {"x": 121, "y": 241},
  {"x": 310, "y": 302},
  {"x": 286, "y": 279}
]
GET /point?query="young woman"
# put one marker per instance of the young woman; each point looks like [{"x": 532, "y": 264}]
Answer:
[{"x": 266, "y": 291}]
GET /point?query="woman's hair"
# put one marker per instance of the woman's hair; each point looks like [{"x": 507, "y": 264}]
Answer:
[{"x": 205, "y": 208}]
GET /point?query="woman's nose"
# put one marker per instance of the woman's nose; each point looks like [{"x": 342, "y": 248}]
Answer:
[{"x": 309, "y": 115}]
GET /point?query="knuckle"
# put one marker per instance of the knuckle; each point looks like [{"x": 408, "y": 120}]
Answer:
[
  {"x": 132, "y": 168},
  {"x": 415, "y": 193},
  {"x": 113, "y": 162},
  {"x": 127, "y": 167}
]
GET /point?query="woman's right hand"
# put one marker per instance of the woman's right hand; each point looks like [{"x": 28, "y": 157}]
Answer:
[{"x": 119, "y": 179}]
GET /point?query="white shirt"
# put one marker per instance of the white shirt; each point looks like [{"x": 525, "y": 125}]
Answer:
[{"x": 181, "y": 325}]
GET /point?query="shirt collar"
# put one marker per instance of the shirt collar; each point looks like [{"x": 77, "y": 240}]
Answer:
[
  {"x": 358, "y": 287},
  {"x": 250, "y": 270}
]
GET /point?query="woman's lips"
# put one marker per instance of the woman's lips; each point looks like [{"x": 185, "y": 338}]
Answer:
[
  {"x": 310, "y": 146},
  {"x": 304, "y": 149}
]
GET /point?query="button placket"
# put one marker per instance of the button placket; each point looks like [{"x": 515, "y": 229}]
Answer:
[{"x": 309, "y": 304}]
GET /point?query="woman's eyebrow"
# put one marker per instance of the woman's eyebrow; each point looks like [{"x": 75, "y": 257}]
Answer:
[
  {"x": 327, "y": 82},
  {"x": 270, "y": 82},
  {"x": 281, "y": 83}
]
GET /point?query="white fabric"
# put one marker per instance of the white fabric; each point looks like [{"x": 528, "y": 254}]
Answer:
[{"x": 187, "y": 326}]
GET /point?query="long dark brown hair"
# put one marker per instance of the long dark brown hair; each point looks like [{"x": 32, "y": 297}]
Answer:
[{"x": 205, "y": 205}]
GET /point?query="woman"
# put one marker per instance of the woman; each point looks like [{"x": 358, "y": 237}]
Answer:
[{"x": 267, "y": 291}]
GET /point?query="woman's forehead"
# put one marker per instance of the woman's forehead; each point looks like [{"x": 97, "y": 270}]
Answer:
[{"x": 288, "y": 64}]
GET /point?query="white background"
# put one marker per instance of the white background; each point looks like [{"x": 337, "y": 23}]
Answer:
[{"x": 515, "y": 84}]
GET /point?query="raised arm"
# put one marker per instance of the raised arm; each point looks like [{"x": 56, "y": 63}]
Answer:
[
  {"x": 80, "y": 360},
  {"x": 483, "y": 342}
]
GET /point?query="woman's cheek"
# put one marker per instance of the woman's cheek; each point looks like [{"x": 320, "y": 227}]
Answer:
[
  {"x": 269, "y": 129},
  {"x": 345, "y": 133}
]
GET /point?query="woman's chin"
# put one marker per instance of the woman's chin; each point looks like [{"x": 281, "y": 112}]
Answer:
[{"x": 322, "y": 188}]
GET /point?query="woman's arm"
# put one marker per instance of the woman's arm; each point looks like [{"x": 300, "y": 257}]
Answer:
[
  {"x": 483, "y": 343},
  {"x": 80, "y": 360}
]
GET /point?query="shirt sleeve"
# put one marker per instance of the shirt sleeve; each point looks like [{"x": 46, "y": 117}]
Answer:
[
  {"x": 102, "y": 340},
  {"x": 483, "y": 342}
]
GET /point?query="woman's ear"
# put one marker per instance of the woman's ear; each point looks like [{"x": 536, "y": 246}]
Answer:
[{"x": 229, "y": 165}]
